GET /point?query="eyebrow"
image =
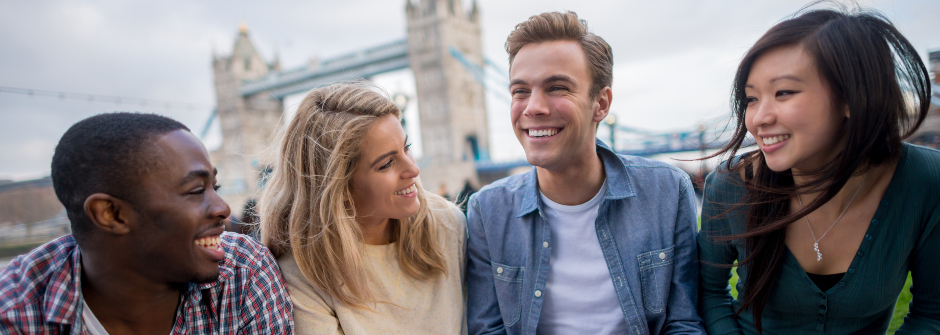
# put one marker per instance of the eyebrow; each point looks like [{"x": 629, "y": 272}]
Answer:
[
  {"x": 783, "y": 77},
  {"x": 196, "y": 174},
  {"x": 551, "y": 79},
  {"x": 377, "y": 160},
  {"x": 558, "y": 77}
]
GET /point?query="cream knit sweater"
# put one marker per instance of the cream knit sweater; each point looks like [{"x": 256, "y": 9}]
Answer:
[{"x": 435, "y": 306}]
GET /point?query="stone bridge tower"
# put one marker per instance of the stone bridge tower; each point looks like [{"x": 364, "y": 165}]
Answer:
[
  {"x": 247, "y": 122},
  {"x": 453, "y": 112}
]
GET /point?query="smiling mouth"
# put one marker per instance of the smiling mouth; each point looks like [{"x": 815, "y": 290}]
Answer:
[
  {"x": 213, "y": 242},
  {"x": 407, "y": 190},
  {"x": 771, "y": 140},
  {"x": 540, "y": 133}
]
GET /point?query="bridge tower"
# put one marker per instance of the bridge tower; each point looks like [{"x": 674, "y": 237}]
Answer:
[
  {"x": 453, "y": 111},
  {"x": 247, "y": 122}
]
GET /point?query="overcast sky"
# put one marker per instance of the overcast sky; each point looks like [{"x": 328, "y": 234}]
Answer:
[{"x": 674, "y": 60}]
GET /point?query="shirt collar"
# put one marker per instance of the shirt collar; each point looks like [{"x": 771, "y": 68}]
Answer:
[
  {"x": 63, "y": 293},
  {"x": 619, "y": 183}
]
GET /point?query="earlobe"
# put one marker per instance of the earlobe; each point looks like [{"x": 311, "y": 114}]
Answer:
[{"x": 108, "y": 213}]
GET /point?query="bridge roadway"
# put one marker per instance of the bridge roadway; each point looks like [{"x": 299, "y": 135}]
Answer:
[{"x": 360, "y": 64}]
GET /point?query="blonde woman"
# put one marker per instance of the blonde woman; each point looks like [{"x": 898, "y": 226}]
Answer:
[{"x": 363, "y": 248}]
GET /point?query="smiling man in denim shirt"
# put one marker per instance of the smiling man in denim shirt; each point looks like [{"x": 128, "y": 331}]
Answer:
[{"x": 589, "y": 241}]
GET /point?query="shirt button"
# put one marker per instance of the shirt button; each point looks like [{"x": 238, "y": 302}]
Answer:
[
  {"x": 544, "y": 244},
  {"x": 851, "y": 270},
  {"x": 499, "y": 270},
  {"x": 860, "y": 253},
  {"x": 662, "y": 256},
  {"x": 868, "y": 236},
  {"x": 841, "y": 284},
  {"x": 874, "y": 222},
  {"x": 538, "y": 293}
]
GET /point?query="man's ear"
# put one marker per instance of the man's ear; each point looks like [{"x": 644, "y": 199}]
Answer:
[
  {"x": 109, "y": 213},
  {"x": 604, "y": 97}
]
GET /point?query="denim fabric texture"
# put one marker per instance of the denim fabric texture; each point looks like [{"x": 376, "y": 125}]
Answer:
[{"x": 646, "y": 227}]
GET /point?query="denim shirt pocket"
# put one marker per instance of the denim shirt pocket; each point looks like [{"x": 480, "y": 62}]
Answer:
[
  {"x": 655, "y": 278},
  {"x": 509, "y": 291}
]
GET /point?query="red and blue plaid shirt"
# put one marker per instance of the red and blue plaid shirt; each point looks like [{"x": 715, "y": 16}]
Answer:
[{"x": 40, "y": 293}]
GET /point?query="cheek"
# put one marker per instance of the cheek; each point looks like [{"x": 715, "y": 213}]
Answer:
[
  {"x": 515, "y": 110},
  {"x": 749, "y": 123}
]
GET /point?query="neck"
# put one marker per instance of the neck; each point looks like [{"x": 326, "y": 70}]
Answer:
[
  {"x": 862, "y": 183},
  {"x": 376, "y": 231},
  {"x": 573, "y": 184},
  {"x": 124, "y": 300}
]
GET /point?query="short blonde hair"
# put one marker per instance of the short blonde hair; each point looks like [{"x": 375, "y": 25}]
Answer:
[
  {"x": 555, "y": 26},
  {"x": 303, "y": 211}
]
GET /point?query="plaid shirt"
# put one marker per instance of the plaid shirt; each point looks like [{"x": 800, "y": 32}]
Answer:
[{"x": 40, "y": 293}]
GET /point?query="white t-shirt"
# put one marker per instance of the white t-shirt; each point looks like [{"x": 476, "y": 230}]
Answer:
[
  {"x": 92, "y": 324},
  {"x": 579, "y": 295}
]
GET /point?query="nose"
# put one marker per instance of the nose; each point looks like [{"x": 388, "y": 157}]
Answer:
[
  {"x": 537, "y": 104},
  {"x": 763, "y": 114},
  {"x": 411, "y": 169},
  {"x": 218, "y": 208}
]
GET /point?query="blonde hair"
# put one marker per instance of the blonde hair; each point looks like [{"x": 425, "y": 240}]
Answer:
[
  {"x": 303, "y": 211},
  {"x": 556, "y": 26}
]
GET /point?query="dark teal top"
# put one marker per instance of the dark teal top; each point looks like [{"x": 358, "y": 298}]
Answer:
[{"x": 903, "y": 236}]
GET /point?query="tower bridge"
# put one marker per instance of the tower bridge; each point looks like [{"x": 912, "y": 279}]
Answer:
[{"x": 452, "y": 117}]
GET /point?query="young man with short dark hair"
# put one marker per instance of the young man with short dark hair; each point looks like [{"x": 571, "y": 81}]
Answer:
[
  {"x": 148, "y": 254},
  {"x": 589, "y": 241}
]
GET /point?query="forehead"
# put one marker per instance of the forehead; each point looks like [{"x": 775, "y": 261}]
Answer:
[
  {"x": 537, "y": 61},
  {"x": 384, "y": 136},
  {"x": 175, "y": 154},
  {"x": 791, "y": 60}
]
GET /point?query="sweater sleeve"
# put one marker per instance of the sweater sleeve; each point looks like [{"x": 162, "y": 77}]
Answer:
[
  {"x": 924, "y": 315},
  {"x": 714, "y": 291}
]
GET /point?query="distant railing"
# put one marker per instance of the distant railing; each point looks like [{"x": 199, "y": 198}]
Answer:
[{"x": 33, "y": 233}]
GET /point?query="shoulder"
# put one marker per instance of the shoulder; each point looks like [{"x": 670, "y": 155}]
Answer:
[
  {"x": 918, "y": 177},
  {"x": 301, "y": 290},
  {"x": 723, "y": 183},
  {"x": 248, "y": 259},
  {"x": 646, "y": 169},
  {"x": 923, "y": 164},
  {"x": 446, "y": 213},
  {"x": 24, "y": 281},
  {"x": 507, "y": 186}
]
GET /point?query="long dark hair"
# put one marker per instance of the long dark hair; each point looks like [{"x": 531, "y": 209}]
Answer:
[{"x": 872, "y": 70}]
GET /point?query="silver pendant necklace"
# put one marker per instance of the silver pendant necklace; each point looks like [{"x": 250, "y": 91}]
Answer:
[{"x": 816, "y": 240}]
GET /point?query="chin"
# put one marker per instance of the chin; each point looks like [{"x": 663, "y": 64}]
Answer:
[
  {"x": 539, "y": 159},
  {"x": 205, "y": 277},
  {"x": 776, "y": 166}
]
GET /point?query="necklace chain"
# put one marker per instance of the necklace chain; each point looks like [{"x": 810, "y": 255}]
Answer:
[{"x": 806, "y": 217}]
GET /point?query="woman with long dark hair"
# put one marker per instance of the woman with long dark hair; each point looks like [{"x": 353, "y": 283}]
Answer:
[{"x": 825, "y": 220}]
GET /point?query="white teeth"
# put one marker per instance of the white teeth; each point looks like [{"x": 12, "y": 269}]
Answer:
[
  {"x": 543, "y": 132},
  {"x": 407, "y": 190},
  {"x": 774, "y": 139},
  {"x": 209, "y": 241}
]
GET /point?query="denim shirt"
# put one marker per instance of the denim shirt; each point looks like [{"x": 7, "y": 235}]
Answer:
[{"x": 646, "y": 228}]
